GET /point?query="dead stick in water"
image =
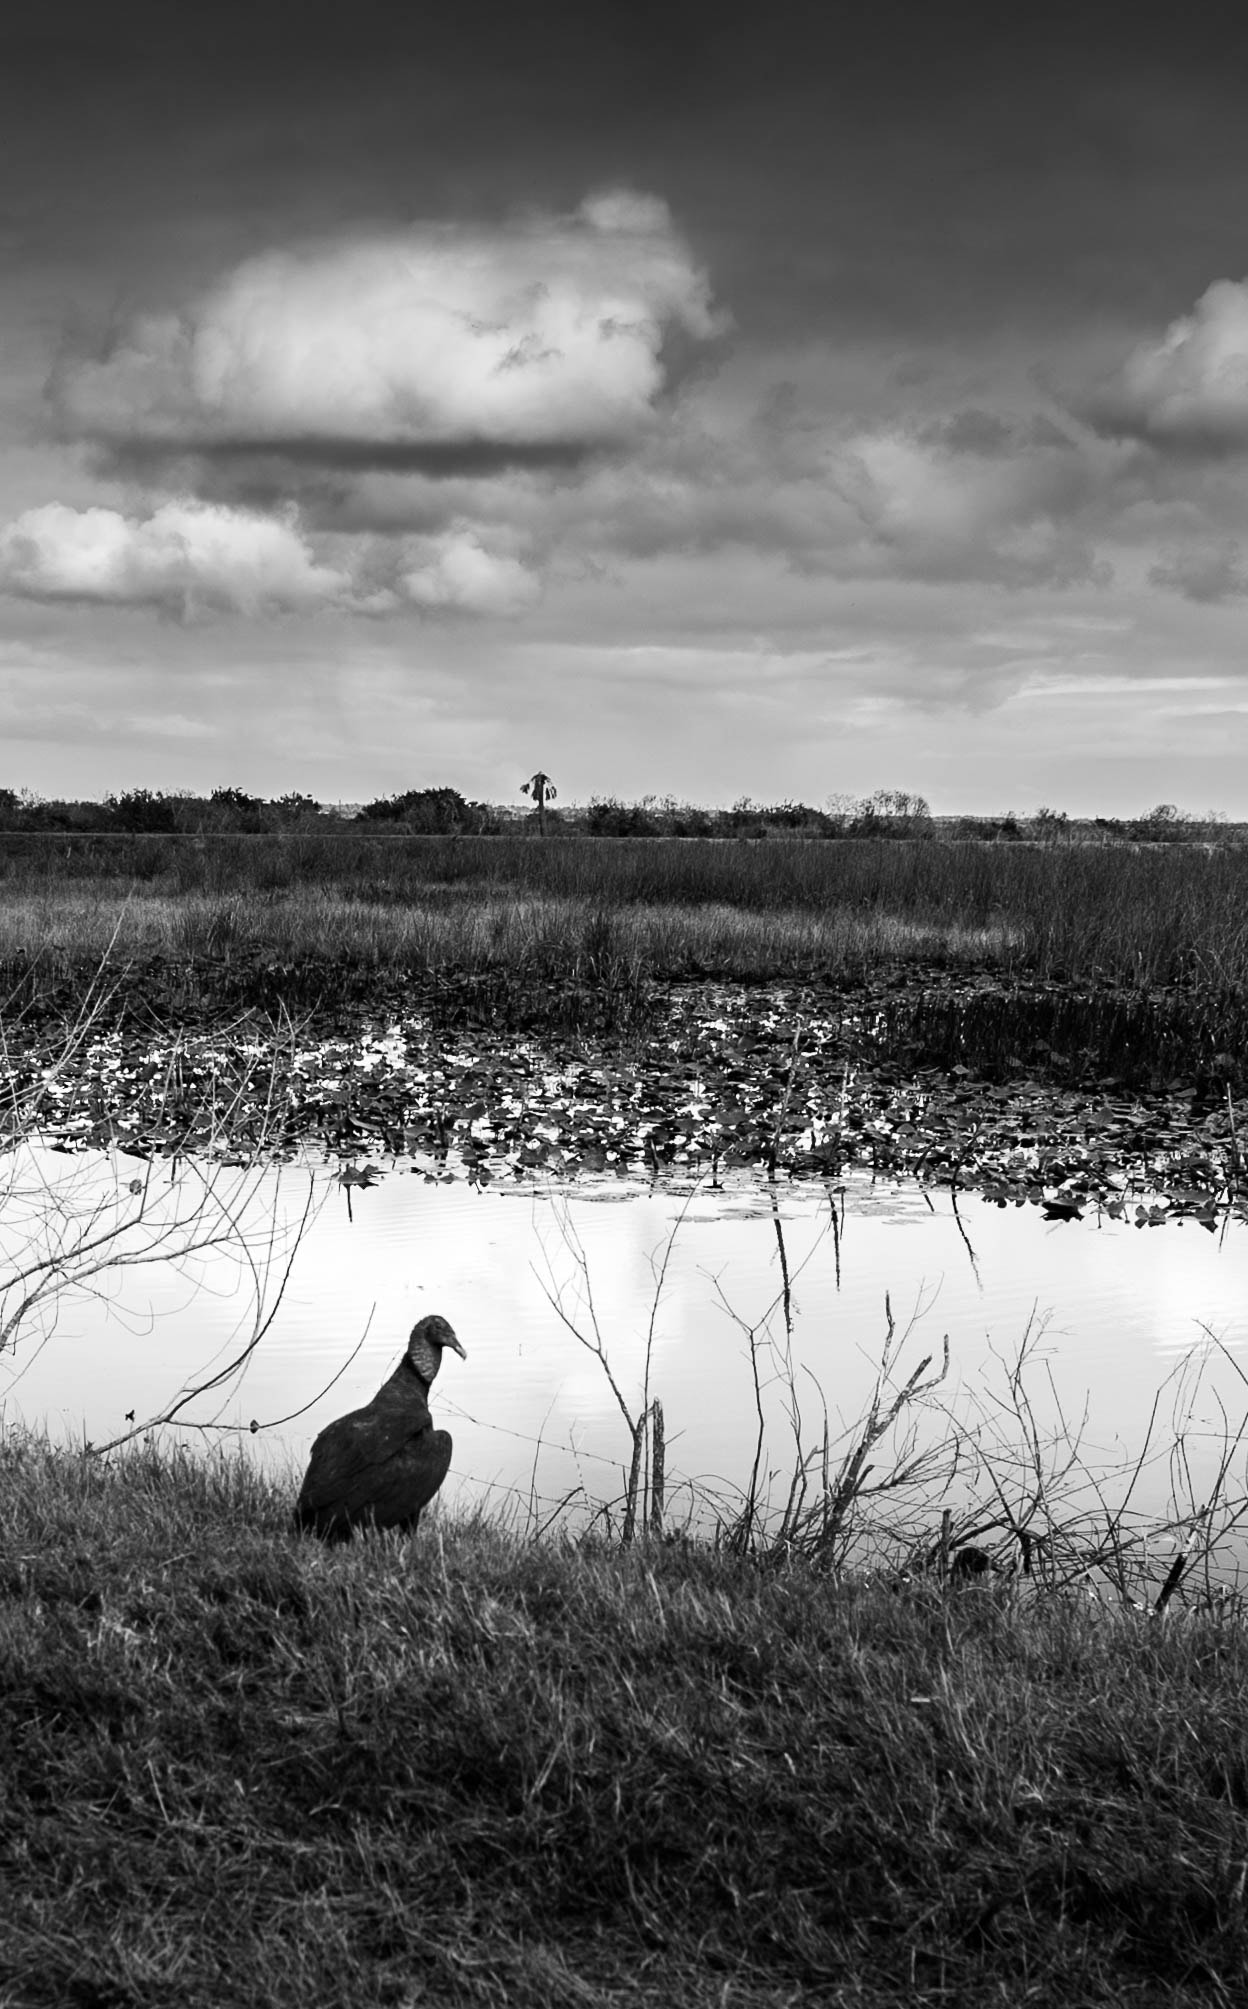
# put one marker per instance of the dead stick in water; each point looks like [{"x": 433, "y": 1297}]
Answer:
[
  {"x": 1171, "y": 1583},
  {"x": 658, "y": 1463}
]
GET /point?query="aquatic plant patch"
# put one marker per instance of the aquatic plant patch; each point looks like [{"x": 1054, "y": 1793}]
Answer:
[{"x": 784, "y": 1080}]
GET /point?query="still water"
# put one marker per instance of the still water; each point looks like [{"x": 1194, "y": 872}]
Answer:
[{"x": 722, "y": 1303}]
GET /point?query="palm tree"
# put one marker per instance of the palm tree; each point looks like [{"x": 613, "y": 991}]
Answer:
[{"x": 543, "y": 790}]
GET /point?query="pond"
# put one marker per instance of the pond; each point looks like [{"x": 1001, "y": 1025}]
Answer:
[{"x": 744, "y": 1308}]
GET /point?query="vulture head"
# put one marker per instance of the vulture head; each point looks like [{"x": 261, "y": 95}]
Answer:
[{"x": 424, "y": 1348}]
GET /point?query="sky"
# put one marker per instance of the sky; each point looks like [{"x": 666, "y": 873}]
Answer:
[{"x": 702, "y": 400}]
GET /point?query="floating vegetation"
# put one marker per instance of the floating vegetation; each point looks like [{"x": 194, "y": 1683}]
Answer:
[{"x": 779, "y": 1079}]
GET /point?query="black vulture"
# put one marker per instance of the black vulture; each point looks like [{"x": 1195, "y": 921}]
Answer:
[{"x": 377, "y": 1467}]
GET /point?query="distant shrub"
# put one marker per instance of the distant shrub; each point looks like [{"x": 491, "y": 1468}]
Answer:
[
  {"x": 654, "y": 816},
  {"x": 762, "y": 819},
  {"x": 434, "y": 812},
  {"x": 687, "y": 820},
  {"x": 893, "y": 812},
  {"x": 226, "y": 809},
  {"x": 609, "y": 817},
  {"x": 983, "y": 829},
  {"x": 1163, "y": 825},
  {"x": 839, "y": 815},
  {"x": 1049, "y": 825},
  {"x": 293, "y": 807},
  {"x": 143, "y": 809},
  {"x": 71, "y": 816},
  {"x": 795, "y": 819}
]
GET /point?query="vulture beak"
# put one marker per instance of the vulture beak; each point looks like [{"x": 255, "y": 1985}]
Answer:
[{"x": 454, "y": 1345}]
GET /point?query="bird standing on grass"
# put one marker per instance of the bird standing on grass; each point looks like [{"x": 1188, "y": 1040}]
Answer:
[{"x": 377, "y": 1467}]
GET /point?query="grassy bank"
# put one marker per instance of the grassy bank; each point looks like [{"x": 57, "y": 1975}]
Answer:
[{"x": 239, "y": 1768}]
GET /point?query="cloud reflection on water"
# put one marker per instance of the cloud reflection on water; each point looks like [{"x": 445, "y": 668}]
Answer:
[{"x": 532, "y": 1411}]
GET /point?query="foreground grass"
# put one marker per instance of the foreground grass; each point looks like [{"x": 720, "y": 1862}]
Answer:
[{"x": 238, "y": 1768}]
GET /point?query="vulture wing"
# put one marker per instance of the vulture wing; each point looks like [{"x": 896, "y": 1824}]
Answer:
[{"x": 408, "y": 1481}]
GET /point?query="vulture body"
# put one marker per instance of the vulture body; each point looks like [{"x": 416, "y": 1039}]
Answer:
[{"x": 377, "y": 1467}]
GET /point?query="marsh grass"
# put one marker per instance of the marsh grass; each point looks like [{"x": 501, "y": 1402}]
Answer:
[
  {"x": 491, "y": 928},
  {"x": 479, "y": 1769},
  {"x": 1135, "y": 955},
  {"x": 1147, "y": 914}
]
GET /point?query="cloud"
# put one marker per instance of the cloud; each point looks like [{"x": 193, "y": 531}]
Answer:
[
  {"x": 928, "y": 511},
  {"x": 187, "y": 558},
  {"x": 459, "y": 576},
  {"x": 1007, "y": 499},
  {"x": 448, "y": 345},
  {"x": 1190, "y": 390},
  {"x": 971, "y": 431},
  {"x": 193, "y": 559},
  {"x": 987, "y": 436},
  {"x": 1206, "y": 572}
]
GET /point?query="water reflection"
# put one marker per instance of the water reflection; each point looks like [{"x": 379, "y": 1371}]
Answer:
[{"x": 682, "y": 1292}]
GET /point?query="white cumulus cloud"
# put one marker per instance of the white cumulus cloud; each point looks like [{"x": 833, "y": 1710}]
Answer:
[
  {"x": 194, "y": 559},
  {"x": 186, "y": 558},
  {"x": 1191, "y": 387},
  {"x": 548, "y": 333},
  {"x": 459, "y": 575}
]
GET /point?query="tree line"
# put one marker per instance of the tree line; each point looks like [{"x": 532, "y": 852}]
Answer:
[{"x": 444, "y": 811}]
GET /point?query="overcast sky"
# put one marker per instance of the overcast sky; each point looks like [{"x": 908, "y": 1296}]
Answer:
[{"x": 786, "y": 401}]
